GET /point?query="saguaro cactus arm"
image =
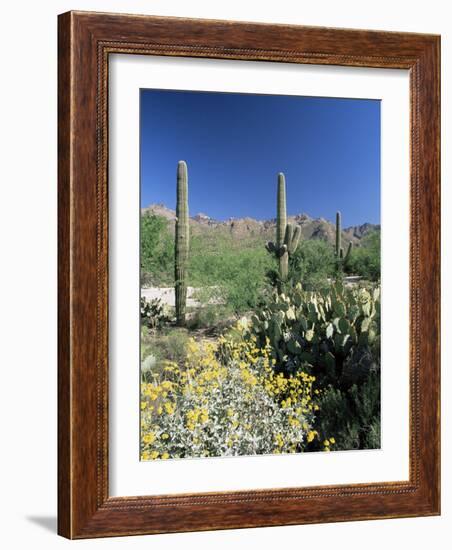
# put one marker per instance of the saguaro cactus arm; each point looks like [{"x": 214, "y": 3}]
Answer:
[
  {"x": 349, "y": 250},
  {"x": 292, "y": 238}
]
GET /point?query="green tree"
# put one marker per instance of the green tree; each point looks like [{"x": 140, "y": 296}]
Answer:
[
  {"x": 365, "y": 260},
  {"x": 157, "y": 251},
  {"x": 312, "y": 264},
  {"x": 230, "y": 273}
]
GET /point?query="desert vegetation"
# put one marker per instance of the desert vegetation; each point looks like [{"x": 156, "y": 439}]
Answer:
[{"x": 262, "y": 347}]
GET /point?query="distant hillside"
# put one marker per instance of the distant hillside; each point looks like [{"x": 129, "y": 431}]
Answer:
[{"x": 246, "y": 228}]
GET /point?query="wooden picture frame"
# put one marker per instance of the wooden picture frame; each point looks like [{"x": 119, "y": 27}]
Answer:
[{"x": 85, "y": 42}]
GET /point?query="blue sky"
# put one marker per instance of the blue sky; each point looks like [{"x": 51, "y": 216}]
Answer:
[{"x": 235, "y": 145}]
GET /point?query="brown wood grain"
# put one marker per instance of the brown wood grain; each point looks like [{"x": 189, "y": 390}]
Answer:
[
  {"x": 64, "y": 295},
  {"x": 85, "y": 42}
]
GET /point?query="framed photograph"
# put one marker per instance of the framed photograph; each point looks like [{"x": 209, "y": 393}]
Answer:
[{"x": 248, "y": 275}]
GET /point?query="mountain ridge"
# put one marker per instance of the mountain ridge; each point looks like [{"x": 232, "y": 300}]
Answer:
[{"x": 311, "y": 228}]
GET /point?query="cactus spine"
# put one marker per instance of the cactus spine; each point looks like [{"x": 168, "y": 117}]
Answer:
[
  {"x": 341, "y": 260},
  {"x": 287, "y": 235},
  {"x": 181, "y": 242}
]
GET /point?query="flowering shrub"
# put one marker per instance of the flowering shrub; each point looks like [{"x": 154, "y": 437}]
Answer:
[{"x": 226, "y": 400}]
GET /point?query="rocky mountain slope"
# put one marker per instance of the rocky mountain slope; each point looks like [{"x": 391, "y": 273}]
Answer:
[{"x": 245, "y": 228}]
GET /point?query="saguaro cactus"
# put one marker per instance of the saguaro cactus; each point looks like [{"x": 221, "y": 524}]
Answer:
[
  {"x": 341, "y": 260},
  {"x": 287, "y": 235},
  {"x": 281, "y": 211},
  {"x": 181, "y": 242}
]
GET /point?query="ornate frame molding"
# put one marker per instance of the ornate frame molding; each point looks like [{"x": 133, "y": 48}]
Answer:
[{"x": 85, "y": 42}]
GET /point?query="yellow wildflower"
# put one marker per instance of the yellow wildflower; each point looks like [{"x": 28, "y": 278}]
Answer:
[
  {"x": 169, "y": 407},
  {"x": 149, "y": 438},
  {"x": 204, "y": 416}
]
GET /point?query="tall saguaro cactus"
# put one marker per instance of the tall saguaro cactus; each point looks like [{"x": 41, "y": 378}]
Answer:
[
  {"x": 287, "y": 235},
  {"x": 281, "y": 211},
  {"x": 181, "y": 242},
  {"x": 341, "y": 260}
]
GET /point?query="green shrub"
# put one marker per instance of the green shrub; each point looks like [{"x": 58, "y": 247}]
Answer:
[
  {"x": 365, "y": 259},
  {"x": 168, "y": 344},
  {"x": 215, "y": 318},
  {"x": 352, "y": 415},
  {"x": 157, "y": 251},
  {"x": 312, "y": 264},
  {"x": 232, "y": 273}
]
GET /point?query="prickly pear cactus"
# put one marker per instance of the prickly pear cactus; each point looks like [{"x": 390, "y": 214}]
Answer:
[
  {"x": 181, "y": 242},
  {"x": 287, "y": 236},
  {"x": 334, "y": 333}
]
